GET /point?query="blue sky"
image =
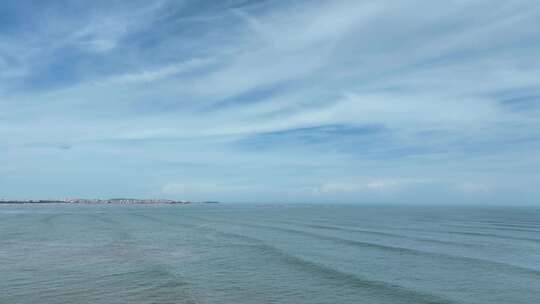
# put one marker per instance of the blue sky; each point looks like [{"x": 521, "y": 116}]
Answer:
[{"x": 271, "y": 101}]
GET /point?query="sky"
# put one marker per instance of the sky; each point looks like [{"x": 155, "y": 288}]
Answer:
[{"x": 429, "y": 102}]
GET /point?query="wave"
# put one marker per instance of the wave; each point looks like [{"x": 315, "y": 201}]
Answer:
[
  {"x": 337, "y": 277},
  {"x": 483, "y": 234},
  {"x": 380, "y": 233},
  {"x": 501, "y": 227},
  {"x": 401, "y": 250}
]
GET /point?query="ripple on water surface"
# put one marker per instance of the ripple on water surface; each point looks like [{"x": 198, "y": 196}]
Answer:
[{"x": 289, "y": 254}]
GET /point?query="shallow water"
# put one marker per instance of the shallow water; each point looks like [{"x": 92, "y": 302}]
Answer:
[{"x": 268, "y": 254}]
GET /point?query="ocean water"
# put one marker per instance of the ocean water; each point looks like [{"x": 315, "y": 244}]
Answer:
[{"x": 268, "y": 254}]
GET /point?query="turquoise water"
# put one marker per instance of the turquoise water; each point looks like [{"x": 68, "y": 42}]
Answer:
[{"x": 268, "y": 254}]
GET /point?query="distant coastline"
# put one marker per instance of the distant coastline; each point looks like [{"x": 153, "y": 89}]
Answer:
[{"x": 112, "y": 201}]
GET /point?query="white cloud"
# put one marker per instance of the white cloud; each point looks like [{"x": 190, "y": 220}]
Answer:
[
  {"x": 474, "y": 188},
  {"x": 190, "y": 188},
  {"x": 294, "y": 66},
  {"x": 157, "y": 73},
  {"x": 384, "y": 185}
]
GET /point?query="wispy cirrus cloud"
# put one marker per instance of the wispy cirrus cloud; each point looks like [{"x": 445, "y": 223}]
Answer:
[{"x": 274, "y": 97}]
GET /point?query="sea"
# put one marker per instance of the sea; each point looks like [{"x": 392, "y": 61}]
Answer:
[{"x": 248, "y": 253}]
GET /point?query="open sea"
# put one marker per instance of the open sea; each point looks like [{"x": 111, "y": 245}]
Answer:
[{"x": 268, "y": 254}]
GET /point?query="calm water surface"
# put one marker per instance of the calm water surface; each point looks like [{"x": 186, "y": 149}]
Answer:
[{"x": 268, "y": 254}]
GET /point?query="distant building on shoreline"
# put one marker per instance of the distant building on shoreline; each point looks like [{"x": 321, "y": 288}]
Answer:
[{"x": 116, "y": 201}]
